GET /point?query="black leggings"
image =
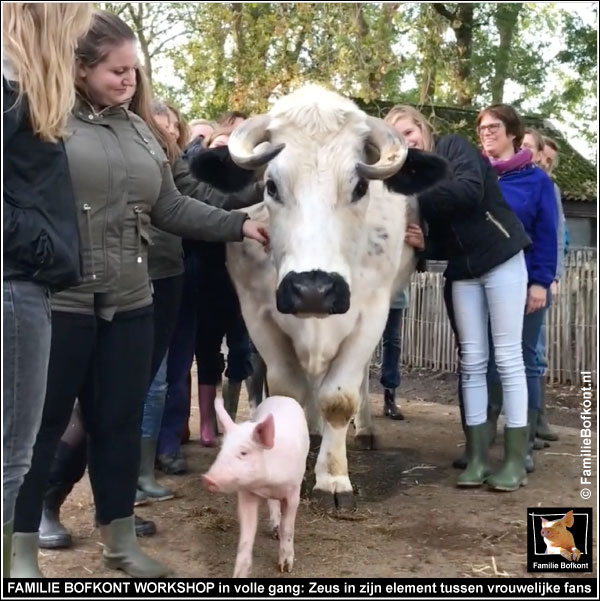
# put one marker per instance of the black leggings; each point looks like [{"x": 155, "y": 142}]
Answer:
[
  {"x": 106, "y": 365},
  {"x": 70, "y": 460}
]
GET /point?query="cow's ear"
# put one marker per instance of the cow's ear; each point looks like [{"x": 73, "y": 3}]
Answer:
[
  {"x": 215, "y": 166},
  {"x": 420, "y": 171}
]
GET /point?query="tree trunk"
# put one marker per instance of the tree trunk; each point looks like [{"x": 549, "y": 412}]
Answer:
[
  {"x": 461, "y": 21},
  {"x": 464, "y": 49},
  {"x": 505, "y": 17}
]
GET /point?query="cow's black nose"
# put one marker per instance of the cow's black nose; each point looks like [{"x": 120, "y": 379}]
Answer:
[{"x": 313, "y": 292}]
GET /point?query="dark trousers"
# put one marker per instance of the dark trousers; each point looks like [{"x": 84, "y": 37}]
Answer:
[
  {"x": 106, "y": 365},
  {"x": 70, "y": 460},
  {"x": 166, "y": 299},
  {"x": 209, "y": 311},
  {"x": 390, "y": 368}
]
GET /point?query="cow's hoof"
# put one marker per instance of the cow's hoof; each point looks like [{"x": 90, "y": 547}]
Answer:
[
  {"x": 344, "y": 501},
  {"x": 324, "y": 500},
  {"x": 366, "y": 442},
  {"x": 315, "y": 442}
]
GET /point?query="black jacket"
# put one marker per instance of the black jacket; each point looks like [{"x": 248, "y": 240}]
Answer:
[
  {"x": 469, "y": 223},
  {"x": 41, "y": 237}
]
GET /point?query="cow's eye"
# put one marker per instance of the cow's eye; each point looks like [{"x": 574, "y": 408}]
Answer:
[
  {"x": 272, "y": 190},
  {"x": 360, "y": 189}
]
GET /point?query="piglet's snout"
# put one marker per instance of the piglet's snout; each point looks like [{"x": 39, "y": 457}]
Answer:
[{"x": 209, "y": 483}]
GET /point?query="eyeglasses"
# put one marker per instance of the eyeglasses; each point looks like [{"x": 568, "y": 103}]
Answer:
[{"x": 492, "y": 128}]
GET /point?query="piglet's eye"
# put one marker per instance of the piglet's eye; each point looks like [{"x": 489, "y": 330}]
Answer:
[{"x": 243, "y": 453}]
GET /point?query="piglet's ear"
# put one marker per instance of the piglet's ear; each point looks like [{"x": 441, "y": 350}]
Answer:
[
  {"x": 544, "y": 522},
  {"x": 569, "y": 519},
  {"x": 264, "y": 432}
]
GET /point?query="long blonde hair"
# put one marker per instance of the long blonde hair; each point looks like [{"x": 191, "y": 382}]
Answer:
[
  {"x": 39, "y": 41},
  {"x": 402, "y": 110}
]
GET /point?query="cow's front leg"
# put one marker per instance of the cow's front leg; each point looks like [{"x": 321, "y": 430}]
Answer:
[
  {"x": 364, "y": 433},
  {"x": 289, "y": 508},
  {"x": 248, "y": 516},
  {"x": 333, "y": 489}
]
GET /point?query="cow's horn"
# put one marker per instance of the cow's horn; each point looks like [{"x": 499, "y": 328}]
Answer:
[
  {"x": 247, "y": 137},
  {"x": 391, "y": 147}
]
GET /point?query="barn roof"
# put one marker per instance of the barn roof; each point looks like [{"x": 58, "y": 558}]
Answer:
[{"x": 575, "y": 175}]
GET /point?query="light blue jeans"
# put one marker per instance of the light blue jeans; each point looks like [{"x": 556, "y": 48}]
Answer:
[
  {"x": 26, "y": 337},
  {"x": 155, "y": 402},
  {"x": 500, "y": 296}
]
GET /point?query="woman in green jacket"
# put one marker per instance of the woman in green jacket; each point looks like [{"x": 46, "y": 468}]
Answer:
[{"x": 102, "y": 334}]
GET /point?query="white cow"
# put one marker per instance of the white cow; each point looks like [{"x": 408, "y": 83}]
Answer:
[{"x": 316, "y": 304}]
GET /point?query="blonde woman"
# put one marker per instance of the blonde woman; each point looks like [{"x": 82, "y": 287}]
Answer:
[
  {"x": 102, "y": 329},
  {"x": 472, "y": 227},
  {"x": 41, "y": 239}
]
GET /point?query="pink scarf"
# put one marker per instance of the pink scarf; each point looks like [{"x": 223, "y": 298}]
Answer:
[{"x": 517, "y": 161}]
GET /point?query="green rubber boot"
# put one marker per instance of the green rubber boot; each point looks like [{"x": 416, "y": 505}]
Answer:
[
  {"x": 148, "y": 487},
  {"x": 543, "y": 427},
  {"x": 7, "y": 530},
  {"x": 477, "y": 445},
  {"x": 122, "y": 551},
  {"x": 512, "y": 474},
  {"x": 24, "y": 557}
]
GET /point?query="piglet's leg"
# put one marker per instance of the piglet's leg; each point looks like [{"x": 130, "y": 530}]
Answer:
[
  {"x": 248, "y": 516},
  {"x": 289, "y": 508},
  {"x": 274, "y": 517}
]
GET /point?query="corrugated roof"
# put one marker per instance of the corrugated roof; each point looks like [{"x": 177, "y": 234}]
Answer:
[{"x": 575, "y": 175}]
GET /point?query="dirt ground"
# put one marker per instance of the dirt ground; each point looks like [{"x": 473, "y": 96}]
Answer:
[{"x": 411, "y": 520}]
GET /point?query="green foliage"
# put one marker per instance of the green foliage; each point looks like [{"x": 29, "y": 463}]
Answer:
[{"x": 213, "y": 57}]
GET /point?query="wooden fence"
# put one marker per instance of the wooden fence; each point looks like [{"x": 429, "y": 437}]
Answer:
[{"x": 428, "y": 341}]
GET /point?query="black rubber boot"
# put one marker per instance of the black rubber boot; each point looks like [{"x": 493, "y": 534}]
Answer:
[
  {"x": 144, "y": 527},
  {"x": 256, "y": 383},
  {"x": 52, "y": 534},
  {"x": 543, "y": 427},
  {"x": 494, "y": 408},
  {"x": 390, "y": 409},
  {"x": 231, "y": 397},
  {"x": 173, "y": 464},
  {"x": 532, "y": 417}
]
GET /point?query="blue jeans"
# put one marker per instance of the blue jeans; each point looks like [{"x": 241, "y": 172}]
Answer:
[
  {"x": 155, "y": 403},
  {"x": 390, "y": 370},
  {"x": 540, "y": 351},
  {"x": 26, "y": 336},
  {"x": 498, "y": 296}
]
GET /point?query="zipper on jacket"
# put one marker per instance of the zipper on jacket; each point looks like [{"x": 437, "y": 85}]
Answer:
[
  {"x": 86, "y": 209},
  {"x": 138, "y": 213},
  {"x": 491, "y": 218}
]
